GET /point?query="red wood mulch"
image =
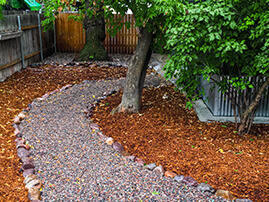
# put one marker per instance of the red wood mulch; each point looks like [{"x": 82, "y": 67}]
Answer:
[
  {"x": 15, "y": 94},
  {"x": 164, "y": 132},
  {"x": 167, "y": 133}
]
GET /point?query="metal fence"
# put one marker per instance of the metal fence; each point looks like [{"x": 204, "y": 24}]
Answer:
[{"x": 220, "y": 105}]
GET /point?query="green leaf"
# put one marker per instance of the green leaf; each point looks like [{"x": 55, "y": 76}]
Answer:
[{"x": 155, "y": 193}]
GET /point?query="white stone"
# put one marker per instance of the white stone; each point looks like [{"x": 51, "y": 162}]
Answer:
[{"x": 110, "y": 141}]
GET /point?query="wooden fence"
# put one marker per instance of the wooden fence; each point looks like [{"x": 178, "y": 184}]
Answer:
[
  {"x": 70, "y": 36},
  {"x": 20, "y": 42}
]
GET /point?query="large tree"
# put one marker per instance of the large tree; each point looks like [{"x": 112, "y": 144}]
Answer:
[
  {"x": 216, "y": 39},
  {"x": 148, "y": 24}
]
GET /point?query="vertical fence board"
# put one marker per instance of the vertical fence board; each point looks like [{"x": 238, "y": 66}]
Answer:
[
  {"x": 10, "y": 48},
  {"x": 71, "y": 36}
]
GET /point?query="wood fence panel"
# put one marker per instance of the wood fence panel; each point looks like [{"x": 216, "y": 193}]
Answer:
[
  {"x": 10, "y": 47},
  {"x": 71, "y": 37}
]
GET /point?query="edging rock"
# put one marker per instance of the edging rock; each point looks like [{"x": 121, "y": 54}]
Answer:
[
  {"x": 33, "y": 184},
  {"x": 204, "y": 188}
]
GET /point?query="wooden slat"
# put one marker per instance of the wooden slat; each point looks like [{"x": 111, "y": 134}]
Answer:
[
  {"x": 10, "y": 64},
  {"x": 71, "y": 36},
  {"x": 29, "y": 27}
]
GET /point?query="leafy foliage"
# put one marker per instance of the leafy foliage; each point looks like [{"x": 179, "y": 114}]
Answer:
[
  {"x": 217, "y": 37},
  {"x": 2, "y": 2}
]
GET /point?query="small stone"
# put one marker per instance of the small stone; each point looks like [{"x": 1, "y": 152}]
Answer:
[
  {"x": 45, "y": 96},
  {"x": 19, "y": 140},
  {"x": 25, "y": 159},
  {"x": 94, "y": 126},
  {"x": 243, "y": 200},
  {"x": 19, "y": 135},
  {"x": 16, "y": 131},
  {"x": 225, "y": 194},
  {"x": 206, "y": 188},
  {"x": 190, "y": 181},
  {"x": 28, "y": 165},
  {"x": 159, "y": 170},
  {"x": 65, "y": 87},
  {"x": 16, "y": 126},
  {"x": 40, "y": 99},
  {"x": 17, "y": 120},
  {"x": 29, "y": 178},
  {"x": 30, "y": 106},
  {"x": 86, "y": 81},
  {"x": 179, "y": 178},
  {"x": 35, "y": 183},
  {"x": 109, "y": 141},
  {"x": 165, "y": 96},
  {"x": 25, "y": 111},
  {"x": 22, "y": 115},
  {"x": 27, "y": 147},
  {"x": 150, "y": 166},
  {"x": 125, "y": 153},
  {"x": 23, "y": 152},
  {"x": 102, "y": 136},
  {"x": 54, "y": 92},
  {"x": 131, "y": 158},
  {"x": 139, "y": 161},
  {"x": 170, "y": 174},
  {"x": 34, "y": 194},
  {"x": 117, "y": 146},
  {"x": 28, "y": 172}
]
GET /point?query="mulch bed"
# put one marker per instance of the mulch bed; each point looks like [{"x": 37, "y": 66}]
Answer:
[
  {"x": 16, "y": 93},
  {"x": 167, "y": 133},
  {"x": 164, "y": 132}
]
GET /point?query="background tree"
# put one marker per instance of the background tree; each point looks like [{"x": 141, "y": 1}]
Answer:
[
  {"x": 216, "y": 39},
  {"x": 93, "y": 23}
]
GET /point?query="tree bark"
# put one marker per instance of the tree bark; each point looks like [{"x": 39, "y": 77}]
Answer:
[
  {"x": 136, "y": 74},
  {"x": 95, "y": 35},
  {"x": 247, "y": 116}
]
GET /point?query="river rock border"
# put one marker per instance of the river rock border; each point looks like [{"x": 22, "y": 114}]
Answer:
[
  {"x": 159, "y": 170},
  {"x": 34, "y": 185}
]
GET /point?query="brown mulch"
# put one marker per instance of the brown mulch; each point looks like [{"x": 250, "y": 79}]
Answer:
[
  {"x": 16, "y": 93},
  {"x": 165, "y": 132}
]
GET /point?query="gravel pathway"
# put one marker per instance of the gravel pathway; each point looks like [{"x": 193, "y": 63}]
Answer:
[{"x": 75, "y": 165}]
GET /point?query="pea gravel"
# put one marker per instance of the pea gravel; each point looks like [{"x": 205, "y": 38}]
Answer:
[{"x": 75, "y": 165}]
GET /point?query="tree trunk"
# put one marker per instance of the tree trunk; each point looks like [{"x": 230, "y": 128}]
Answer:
[
  {"x": 136, "y": 74},
  {"x": 95, "y": 35},
  {"x": 247, "y": 117}
]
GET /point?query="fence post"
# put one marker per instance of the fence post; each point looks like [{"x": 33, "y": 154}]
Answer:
[
  {"x": 54, "y": 33},
  {"x": 40, "y": 36},
  {"x": 22, "y": 54}
]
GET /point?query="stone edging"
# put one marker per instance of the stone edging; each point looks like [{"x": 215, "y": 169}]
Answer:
[
  {"x": 159, "y": 170},
  {"x": 34, "y": 185},
  {"x": 28, "y": 168}
]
